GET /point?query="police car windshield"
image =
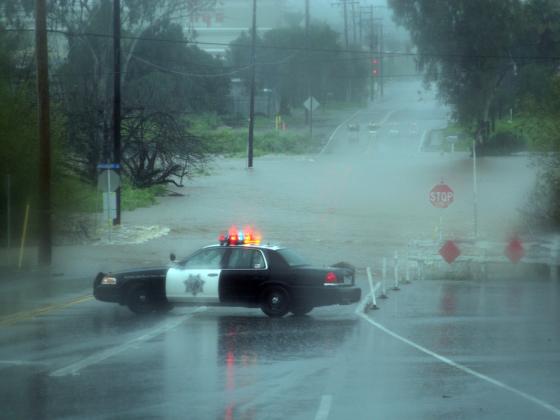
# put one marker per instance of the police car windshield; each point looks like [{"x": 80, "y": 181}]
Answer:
[{"x": 291, "y": 258}]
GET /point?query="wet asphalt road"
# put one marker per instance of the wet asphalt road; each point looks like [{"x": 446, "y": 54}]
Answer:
[
  {"x": 98, "y": 361},
  {"x": 436, "y": 348}
]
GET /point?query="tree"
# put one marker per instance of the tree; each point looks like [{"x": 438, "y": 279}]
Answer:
[
  {"x": 159, "y": 150},
  {"x": 284, "y": 64},
  {"x": 174, "y": 80},
  {"x": 467, "y": 48}
]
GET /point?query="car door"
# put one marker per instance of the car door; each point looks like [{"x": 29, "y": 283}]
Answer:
[
  {"x": 245, "y": 270},
  {"x": 196, "y": 280}
]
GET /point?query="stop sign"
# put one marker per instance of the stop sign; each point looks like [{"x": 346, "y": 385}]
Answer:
[{"x": 441, "y": 196}]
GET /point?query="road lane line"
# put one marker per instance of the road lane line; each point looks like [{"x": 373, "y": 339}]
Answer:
[
  {"x": 74, "y": 368},
  {"x": 20, "y": 363},
  {"x": 336, "y": 129},
  {"x": 383, "y": 121},
  {"x": 26, "y": 315},
  {"x": 443, "y": 359},
  {"x": 422, "y": 141},
  {"x": 324, "y": 408}
]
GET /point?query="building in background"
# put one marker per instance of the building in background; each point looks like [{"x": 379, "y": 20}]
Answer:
[{"x": 214, "y": 28}]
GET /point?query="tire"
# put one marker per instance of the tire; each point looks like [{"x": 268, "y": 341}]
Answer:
[
  {"x": 164, "y": 307},
  {"x": 301, "y": 310},
  {"x": 139, "y": 301},
  {"x": 275, "y": 301}
]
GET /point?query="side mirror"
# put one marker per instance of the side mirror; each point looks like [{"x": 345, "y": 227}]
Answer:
[{"x": 172, "y": 257}]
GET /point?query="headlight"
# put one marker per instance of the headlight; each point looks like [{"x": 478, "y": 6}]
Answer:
[{"x": 108, "y": 280}]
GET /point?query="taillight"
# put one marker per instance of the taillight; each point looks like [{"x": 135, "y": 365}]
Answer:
[{"x": 330, "y": 277}]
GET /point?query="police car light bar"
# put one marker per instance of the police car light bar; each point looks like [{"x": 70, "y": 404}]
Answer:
[{"x": 240, "y": 237}]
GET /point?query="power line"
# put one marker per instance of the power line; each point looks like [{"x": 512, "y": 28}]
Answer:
[
  {"x": 179, "y": 73},
  {"x": 303, "y": 49}
]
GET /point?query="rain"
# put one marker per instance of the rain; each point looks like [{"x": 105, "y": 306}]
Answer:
[{"x": 404, "y": 150}]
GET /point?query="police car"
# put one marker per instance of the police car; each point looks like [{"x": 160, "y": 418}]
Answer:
[{"x": 238, "y": 271}]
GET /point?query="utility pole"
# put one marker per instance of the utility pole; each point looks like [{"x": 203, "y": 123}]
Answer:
[
  {"x": 354, "y": 22},
  {"x": 369, "y": 11},
  {"x": 381, "y": 61},
  {"x": 381, "y": 49},
  {"x": 43, "y": 116},
  {"x": 252, "y": 94},
  {"x": 117, "y": 101},
  {"x": 344, "y": 4},
  {"x": 309, "y": 90}
]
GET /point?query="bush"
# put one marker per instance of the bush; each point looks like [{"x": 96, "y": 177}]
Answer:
[{"x": 502, "y": 143}]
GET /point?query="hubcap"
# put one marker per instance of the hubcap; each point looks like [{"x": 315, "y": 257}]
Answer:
[{"x": 275, "y": 300}]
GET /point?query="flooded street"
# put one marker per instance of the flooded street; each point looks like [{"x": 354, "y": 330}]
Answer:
[
  {"x": 435, "y": 349},
  {"x": 357, "y": 199}
]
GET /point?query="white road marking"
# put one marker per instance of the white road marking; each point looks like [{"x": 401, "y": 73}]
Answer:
[
  {"x": 383, "y": 121},
  {"x": 20, "y": 363},
  {"x": 539, "y": 402},
  {"x": 324, "y": 408},
  {"x": 422, "y": 140},
  {"x": 336, "y": 129},
  {"x": 74, "y": 368}
]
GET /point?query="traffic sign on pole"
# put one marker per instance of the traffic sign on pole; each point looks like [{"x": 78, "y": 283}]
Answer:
[
  {"x": 108, "y": 180},
  {"x": 449, "y": 251},
  {"x": 514, "y": 251},
  {"x": 311, "y": 104},
  {"x": 441, "y": 196},
  {"x": 108, "y": 166}
]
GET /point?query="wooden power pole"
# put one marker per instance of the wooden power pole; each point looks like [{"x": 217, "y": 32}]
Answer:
[
  {"x": 117, "y": 101},
  {"x": 43, "y": 114}
]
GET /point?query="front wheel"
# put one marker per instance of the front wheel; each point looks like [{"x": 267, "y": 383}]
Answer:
[
  {"x": 139, "y": 300},
  {"x": 301, "y": 310},
  {"x": 275, "y": 301}
]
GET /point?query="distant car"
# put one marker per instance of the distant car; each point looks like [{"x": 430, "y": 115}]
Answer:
[
  {"x": 353, "y": 127},
  {"x": 373, "y": 127},
  {"x": 236, "y": 272}
]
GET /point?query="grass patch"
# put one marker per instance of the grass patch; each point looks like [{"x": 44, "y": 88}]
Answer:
[{"x": 70, "y": 194}]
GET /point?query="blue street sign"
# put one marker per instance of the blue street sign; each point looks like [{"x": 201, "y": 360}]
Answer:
[{"x": 108, "y": 166}]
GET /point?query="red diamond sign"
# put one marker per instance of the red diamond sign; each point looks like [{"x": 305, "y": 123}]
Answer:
[
  {"x": 514, "y": 250},
  {"x": 449, "y": 251}
]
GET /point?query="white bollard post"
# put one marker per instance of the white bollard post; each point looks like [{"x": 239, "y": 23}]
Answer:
[
  {"x": 372, "y": 289},
  {"x": 407, "y": 275},
  {"x": 383, "y": 277},
  {"x": 420, "y": 270},
  {"x": 555, "y": 258},
  {"x": 396, "y": 271}
]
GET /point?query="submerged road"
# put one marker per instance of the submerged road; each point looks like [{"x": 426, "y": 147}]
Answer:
[{"x": 435, "y": 349}]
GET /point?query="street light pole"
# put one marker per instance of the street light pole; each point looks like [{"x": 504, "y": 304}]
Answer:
[
  {"x": 252, "y": 94},
  {"x": 309, "y": 90},
  {"x": 475, "y": 191}
]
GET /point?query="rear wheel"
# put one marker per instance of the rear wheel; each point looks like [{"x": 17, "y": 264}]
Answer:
[
  {"x": 275, "y": 301},
  {"x": 139, "y": 300}
]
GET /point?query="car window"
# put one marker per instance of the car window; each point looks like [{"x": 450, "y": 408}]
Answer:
[
  {"x": 291, "y": 258},
  {"x": 207, "y": 258},
  {"x": 243, "y": 258}
]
